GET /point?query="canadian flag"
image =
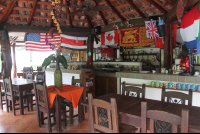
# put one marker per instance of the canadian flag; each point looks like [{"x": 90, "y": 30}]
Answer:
[{"x": 110, "y": 38}]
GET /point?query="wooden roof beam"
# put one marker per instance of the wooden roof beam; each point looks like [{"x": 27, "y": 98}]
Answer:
[
  {"x": 101, "y": 14},
  {"x": 32, "y": 12},
  {"x": 157, "y": 6},
  {"x": 137, "y": 9},
  {"x": 70, "y": 19},
  {"x": 89, "y": 21},
  {"x": 7, "y": 11},
  {"x": 115, "y": 10},
  {"x": 171, "y": 15},
  {"x": 171, "y": 2}
]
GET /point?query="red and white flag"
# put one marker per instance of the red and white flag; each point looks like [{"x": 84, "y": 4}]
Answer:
[
  {"x": 73, "y": 43},
  {"x": 110, "y": 38}
]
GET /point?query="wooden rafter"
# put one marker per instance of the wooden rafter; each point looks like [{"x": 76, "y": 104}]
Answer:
[
  {"x": 171, "y": 15},
  {"x": 7, "y": 11},
  {"x": 32, "y": 12},
  {"x": 137, "y": 9},
  {"x": 70, "y": 19},
  {"x": 170, "y": 2},
  {"x": 89, "y": 20},
  {"x": 157, "y": 6},
  {"x": 115, "y": 10},
  {"x": 101, "y": 14}
]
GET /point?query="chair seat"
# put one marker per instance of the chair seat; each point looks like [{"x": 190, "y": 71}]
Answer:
[
  {"x": 123, "y": 128},
  {"x": 29, "y": 92},
  {"x": 66, "y": 102}
]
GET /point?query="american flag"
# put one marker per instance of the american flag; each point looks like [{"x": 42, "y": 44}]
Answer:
[
  {"x": 151, "y": 29},
  {"x": 36, "y": 41}
]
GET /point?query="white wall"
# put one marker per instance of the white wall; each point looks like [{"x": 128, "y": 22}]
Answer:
[{"x": 66, "y": 77}]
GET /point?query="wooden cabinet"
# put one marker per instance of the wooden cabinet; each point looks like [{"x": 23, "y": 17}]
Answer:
[{"x": 105, "y": 85}]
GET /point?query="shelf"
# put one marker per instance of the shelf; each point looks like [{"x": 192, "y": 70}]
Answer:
[
  {"x": 196, "y": 64},
  {"x": 89, "y": 87},
  {"x": 90, "y": 80},
  {"x": 159, "y": 87},
  {"x": 138, "y": 54}
]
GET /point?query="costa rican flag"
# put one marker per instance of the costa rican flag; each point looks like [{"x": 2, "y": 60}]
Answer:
[{"x": 151, "y": 29}]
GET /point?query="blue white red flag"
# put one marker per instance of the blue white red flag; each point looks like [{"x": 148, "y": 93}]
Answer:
[
  {"x": 36, "y": 41},
  {"x": 151, "y": 29},
  {"x": 189, "y": 29}
]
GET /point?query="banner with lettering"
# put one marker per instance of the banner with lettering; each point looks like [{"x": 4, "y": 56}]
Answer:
[{"x": 134, "y": 37}]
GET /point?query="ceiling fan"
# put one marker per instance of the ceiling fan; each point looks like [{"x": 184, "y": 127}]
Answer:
[{"x": 88, "y": 7}]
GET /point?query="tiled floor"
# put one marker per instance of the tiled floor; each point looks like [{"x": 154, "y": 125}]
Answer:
[{"x": 27, "y": 123}]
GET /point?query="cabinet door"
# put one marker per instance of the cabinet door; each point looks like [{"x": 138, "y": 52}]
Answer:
[
  {"x": 101, "y": 85},
  {"x": 112, "y": 86}
]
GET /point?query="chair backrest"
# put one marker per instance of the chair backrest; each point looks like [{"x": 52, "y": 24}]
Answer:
[
  {"x": 41, "y": 95},
  {"x": 163, "y": 122},
  {"x": 136, "y": 90},
  {"x": 82, "y": 84},
  {"x": 104, "y": 116},
  {"x": 8, "y": 88},
  {"x": 40, "y": 77},
  {"x": 176, "y": 97},
  {"x": 39, "y": 69},
  {"x": 27, "y": 70},
  {"x": 29, "y": 76}
]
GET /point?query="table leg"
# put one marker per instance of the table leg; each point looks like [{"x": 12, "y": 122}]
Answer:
[
  {"x": 21, "y": 102},
  {"x": 58, "y": 114},
  {"x": 80, "y": 111}
]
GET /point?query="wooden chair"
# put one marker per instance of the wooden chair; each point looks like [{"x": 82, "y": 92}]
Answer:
[
  {"x": 30, "y": 92},
  {"x": 27, "y": 70},
  {"x": 137, "y": 90},
  {"x": 69, "y": 103},
  {"x": 2, "y": 97},
  {"x": 176, "y": 95},
  {"x": 12, "y": 96},
  {"x": 163, "y": 122},
  {"x": 40, "y": 76},
  {"x": 42, "y": 103},
  {"x": 104, "y": 117}
]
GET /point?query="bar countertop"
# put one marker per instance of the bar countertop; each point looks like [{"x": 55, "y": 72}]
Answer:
[{"x": 159, "y": 76}]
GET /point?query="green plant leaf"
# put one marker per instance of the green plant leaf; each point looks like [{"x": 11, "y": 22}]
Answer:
[
  {"x": 62, "y": 60},
  {"x": 47, "y": 60}
]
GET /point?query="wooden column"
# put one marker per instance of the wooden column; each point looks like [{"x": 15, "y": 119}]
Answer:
[
  {"x": 90, "y": 46},
  {"x": 6, "y": 54},
  {"x": 171, "y": 44},
  {"x": 14, "y": 62},
  {"x": 167, "y": 46}
]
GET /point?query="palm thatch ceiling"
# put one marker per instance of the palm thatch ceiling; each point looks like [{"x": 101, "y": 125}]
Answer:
[{"x": 38, "y": 12}]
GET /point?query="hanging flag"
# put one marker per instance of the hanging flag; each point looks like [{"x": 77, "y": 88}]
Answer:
[
  {"x": 110, "y": 38},
  {"x": 36, "y": 41},
  {"x": 151, "y": 29},
  {"x": 190, "y": 28},
  {"x": 73, "y": 43},
  {"x": 159, "y": 43}
]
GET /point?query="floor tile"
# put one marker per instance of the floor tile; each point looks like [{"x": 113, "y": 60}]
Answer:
[
  {"x": 33, "y": 128},
  {"x": 4, "y": 129},
  {"x": 25, "y": 121},
  {"x": 18, "y": 129},
  {"x": 8, "y": 122}
]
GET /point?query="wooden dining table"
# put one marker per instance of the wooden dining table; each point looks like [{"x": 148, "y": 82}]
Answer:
[
  {"x": 129, "y": 110},
  {"x": 21, "y": 85}
]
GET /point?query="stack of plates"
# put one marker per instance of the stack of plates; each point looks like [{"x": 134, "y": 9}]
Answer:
[{"x": 118, "y": 59}]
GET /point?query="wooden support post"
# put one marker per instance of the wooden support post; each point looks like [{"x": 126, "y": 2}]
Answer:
[
  {"x": 6, "y": 54},
  {"x": 90, "y": 45},
  {"x": 171, "y": 44},
  {"x": 166, "y": 46},
  {"x": 14, "y": 62}
]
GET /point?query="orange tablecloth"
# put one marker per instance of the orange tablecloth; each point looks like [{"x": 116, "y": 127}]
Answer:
[{"x": 70, "y": 92}]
